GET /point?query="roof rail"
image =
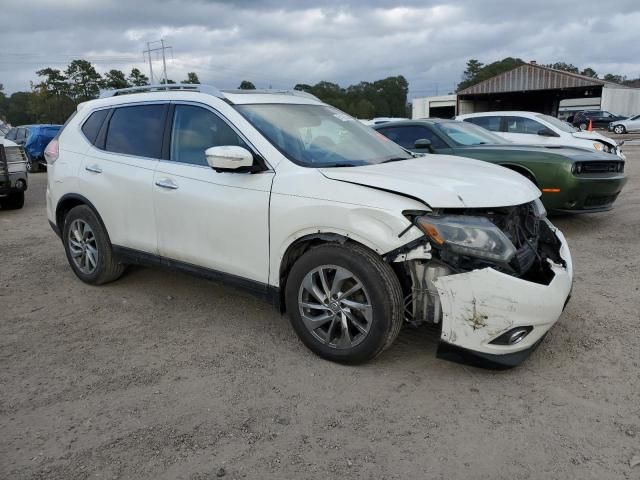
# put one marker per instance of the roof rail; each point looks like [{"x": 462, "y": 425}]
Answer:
[
  {"x": 295, "y": 93},
  {"x": 186, "y": 87}
]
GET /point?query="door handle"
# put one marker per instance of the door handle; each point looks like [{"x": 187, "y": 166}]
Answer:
[
  {"x": 93, "y": 168},
  {"x": 167, "y": 183}
]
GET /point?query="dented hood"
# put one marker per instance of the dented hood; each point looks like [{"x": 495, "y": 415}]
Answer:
[
  {"x": 443, "y": 181},
  {"x": 593, "y": 136}
]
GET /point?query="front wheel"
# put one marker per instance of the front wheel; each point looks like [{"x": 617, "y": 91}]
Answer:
[
  {"x": 88, "y": 247},
  {"x": 344, "y": 302},
  {"x": 619, "y": 129}
]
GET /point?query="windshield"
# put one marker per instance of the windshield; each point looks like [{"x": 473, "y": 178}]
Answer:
[
  {"x": 465, "y": 133},
  {"x": 559, "y": 124},
  {"x": 321, "y": 136}
]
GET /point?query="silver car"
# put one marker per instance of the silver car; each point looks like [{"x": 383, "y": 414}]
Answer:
[{"x": 631, "y": 124}]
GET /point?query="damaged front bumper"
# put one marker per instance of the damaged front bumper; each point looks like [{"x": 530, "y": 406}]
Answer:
[{"x": 481, "y": 306}]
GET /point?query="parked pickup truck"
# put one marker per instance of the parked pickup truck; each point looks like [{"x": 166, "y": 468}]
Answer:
[{"x": 13, "y": 175}]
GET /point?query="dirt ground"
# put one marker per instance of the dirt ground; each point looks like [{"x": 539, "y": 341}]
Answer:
[{"x": 164, "y": 376}]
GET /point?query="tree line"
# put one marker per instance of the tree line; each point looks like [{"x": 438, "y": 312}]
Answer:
[
  {"x": 477, "y": 72},
  {"x": 56, "y": 93}
]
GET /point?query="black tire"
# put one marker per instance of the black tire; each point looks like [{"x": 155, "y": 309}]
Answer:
[
  {"x": 13, "y": 201},
  {"x": 107, "y": 267},
  {"x": 619, "y": 129},
  {"x": 381, "y": 285},
  {"x": 32, "y": 165}
]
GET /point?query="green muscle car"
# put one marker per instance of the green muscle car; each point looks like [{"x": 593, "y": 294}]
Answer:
[{"x": 570, "y": 179}]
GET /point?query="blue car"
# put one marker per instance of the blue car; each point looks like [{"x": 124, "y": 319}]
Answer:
[{"x": 34, "y": 139}]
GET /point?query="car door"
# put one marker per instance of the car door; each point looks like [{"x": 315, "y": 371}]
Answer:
[
  {"x": 633, "y": 124},
  {"x": 117, "y": 171},
  {"x": 523, "y": 130},
  {"x": 215, "y": 220}
]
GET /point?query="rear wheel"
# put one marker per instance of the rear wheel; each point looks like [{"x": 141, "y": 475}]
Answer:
[
  {"x": 32, "y": 165},
  {"x": 344, "y": 302},
  {"x": 88, "y": 247},
  {"x": 13, "y": 201},
  {"x": 619, "y": 129}
]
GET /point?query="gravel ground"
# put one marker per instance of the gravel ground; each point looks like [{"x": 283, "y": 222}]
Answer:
[{"x": 161, "y": 375}]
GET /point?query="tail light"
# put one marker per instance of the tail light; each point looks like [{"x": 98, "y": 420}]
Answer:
[{"x": 52, "y": 151}]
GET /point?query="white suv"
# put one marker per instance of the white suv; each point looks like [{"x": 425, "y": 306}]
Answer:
[{"x": 299, "y": 203}]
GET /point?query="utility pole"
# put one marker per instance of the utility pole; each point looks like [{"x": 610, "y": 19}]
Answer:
[
  {"x": 148, "y": 51},
  {"x": 163, "y": 48}
]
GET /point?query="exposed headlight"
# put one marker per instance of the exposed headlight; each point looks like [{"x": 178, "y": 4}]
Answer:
[
  {"x": 473, "y": 236},
  {"x": 538, "y": 208}
]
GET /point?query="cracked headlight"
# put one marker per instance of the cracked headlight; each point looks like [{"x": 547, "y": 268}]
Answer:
[{"x": 467, "y": 235}]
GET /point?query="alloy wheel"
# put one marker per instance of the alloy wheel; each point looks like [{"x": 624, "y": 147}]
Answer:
[
  {"x": 335, "y": 307},
  {"x": 83, "y": 246}
]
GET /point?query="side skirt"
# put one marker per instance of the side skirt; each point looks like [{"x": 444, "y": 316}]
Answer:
[{"x": 260, "y": 290}]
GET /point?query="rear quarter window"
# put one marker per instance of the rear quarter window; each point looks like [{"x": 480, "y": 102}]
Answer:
[{"x": 91, "y": 126}]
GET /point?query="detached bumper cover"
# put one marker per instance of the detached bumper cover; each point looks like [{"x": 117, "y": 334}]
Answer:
[{"x": 481, "y": 305}]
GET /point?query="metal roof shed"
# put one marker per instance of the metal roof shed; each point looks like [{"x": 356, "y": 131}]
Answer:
[{"x": 534, "y": 88}]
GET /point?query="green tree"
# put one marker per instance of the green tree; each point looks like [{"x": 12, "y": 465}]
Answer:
[
  {"x": 137, "y": 78},
  {"x": 246, "y": 85},
  {"x": 84, "y": 80},
  {"x": 46, "y": 108},
  {"x": 565, "y": 67},
  {"x": 192, "y": 77},
  {"x": 115, "y": 79},
  {"x": 168, "y": 81},
  {"x": 589, "y": 72},
  {"x": 53, "y": 82},
  {"x": 474, "y": 75},
  {"x": 303, "y": 87},
  {"x": 18, "y": 108},
  {"x": 610, "y": 77}
]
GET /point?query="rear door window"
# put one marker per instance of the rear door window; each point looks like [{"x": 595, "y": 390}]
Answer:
[
  {"x": 490, "y": 123},
  {"x": 137, "y": 130},
  {"x": 523, "y": 125}
]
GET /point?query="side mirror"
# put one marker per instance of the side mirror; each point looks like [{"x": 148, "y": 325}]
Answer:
[
  {"x": 229, "y": 158},
  {"x": 423, "y": 144},
  {"x": 545, "y": 132}
]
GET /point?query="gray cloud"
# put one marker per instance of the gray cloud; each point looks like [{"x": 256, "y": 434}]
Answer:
[{"x": 280, "y": 43}]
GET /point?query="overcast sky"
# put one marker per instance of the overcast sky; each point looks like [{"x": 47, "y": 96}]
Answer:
[{"x": 279, "y": 43}]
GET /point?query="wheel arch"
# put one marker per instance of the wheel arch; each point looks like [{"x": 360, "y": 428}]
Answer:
[
  {"x": 301, "y": 245},
  {"x": 72, "y": 200},
  {"x": 522, "y": 170}
]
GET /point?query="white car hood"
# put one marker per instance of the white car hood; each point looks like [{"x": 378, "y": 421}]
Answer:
[
  {"x": 593, "y": 136},
  {"x": 443, "y": 181}
]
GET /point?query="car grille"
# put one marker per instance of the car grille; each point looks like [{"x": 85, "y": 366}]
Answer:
[{"x": 580, "y": 168}]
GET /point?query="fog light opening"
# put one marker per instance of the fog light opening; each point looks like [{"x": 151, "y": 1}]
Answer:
[{"x": 513, "y": 336}]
